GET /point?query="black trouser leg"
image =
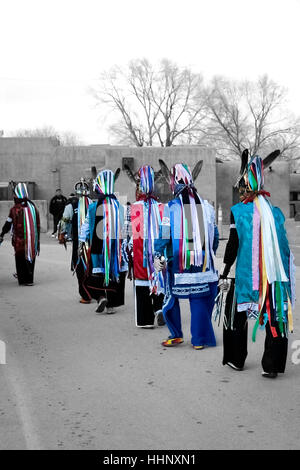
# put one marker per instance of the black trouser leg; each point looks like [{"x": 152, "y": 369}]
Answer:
[
  {"x": 144, "y": 307},
  {"x": 157, "y": 302},
  {"x": 80, "y": 273},
  {"x": 235, "y": 333},
  {"x": 25, "y": 269},
  {"x": 235, "y": 341},
  {"x": 275, "y": 351},
  {"x": 94, "y": 284},
  {"x": 56, "y": 219},
  {"x": 114, "y": 292},
  {"x": 116, "y": 298}
]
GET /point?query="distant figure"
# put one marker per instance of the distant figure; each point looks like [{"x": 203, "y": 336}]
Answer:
[
  {"x": 56, "y": 208},
  {"x": 24, "y": 220}
]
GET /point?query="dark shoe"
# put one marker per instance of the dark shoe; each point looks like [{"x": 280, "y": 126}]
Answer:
[
  {"x": 102, "y": 302},
  {"x": 269, "y": 375},
  {"x": 233, "y": 366},
  {"x": 84, "y": 301},
  {"x": 160, "y": 319}
]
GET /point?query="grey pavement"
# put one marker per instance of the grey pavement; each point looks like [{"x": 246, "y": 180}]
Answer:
[{"x": 77, "y": 380}]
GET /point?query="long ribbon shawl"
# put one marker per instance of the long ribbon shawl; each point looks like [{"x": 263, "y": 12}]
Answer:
[
  {"x": 104, "y": 186},
  {"x": 268, "y": 274},
  {"x": 220, "y": 306},
  {"x": 193, "y": 255},
  {"x": 83, "y": 205},
  {"x": 111, "y": 239},
  {"x": 31, "y": 235},
  {"x": 151, "y": 223}
]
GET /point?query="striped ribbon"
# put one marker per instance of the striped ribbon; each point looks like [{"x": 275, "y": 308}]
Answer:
[{"x": 30, "y": 232}]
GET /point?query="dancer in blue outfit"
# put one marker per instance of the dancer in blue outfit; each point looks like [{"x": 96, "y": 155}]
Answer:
[
  {"x": 188, "y": 241},
  {"x": 103, "y": 229},
  {"x": 264, "y": 287}
]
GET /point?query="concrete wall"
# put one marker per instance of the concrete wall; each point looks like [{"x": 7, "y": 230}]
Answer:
[
  {"x": 76, "y": 161},
  {"x": 277, "y": 182},
  {"x": 26, "y": 159},
  {"x": 50, "y": 165},
  {"x": 42, "y": 207}
]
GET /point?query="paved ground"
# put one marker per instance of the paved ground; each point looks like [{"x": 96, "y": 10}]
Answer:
[{"x": 77, "y": 380}]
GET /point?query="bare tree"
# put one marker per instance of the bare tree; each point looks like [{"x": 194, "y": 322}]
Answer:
[
  {"x": 250, "y": 115},
  {"x": 152, "y": 106},
  {"x": 67, "y": 138},
  {"x": 45, "y": 131}
]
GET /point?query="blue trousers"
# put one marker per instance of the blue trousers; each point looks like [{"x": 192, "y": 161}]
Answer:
[{"x": 202, "y": 333}]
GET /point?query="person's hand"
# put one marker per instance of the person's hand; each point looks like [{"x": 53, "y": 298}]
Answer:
[
  {"x": 224, "y": 284},
  {"x": 159, "y": 264}
]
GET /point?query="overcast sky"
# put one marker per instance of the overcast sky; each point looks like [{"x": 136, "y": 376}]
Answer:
[{"x": 53, "y": 50}]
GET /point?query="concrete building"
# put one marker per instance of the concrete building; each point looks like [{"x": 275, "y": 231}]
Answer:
[{"x": 46, "y": 165}]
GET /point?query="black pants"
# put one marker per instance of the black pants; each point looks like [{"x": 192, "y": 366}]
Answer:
[
  {"x": 275, "y": 352},
  {"x": 235, "y": 339},
  {"x": 114, "y": 292},
  {"x": 82, "y": 289},
  {"x": 56, "y": 219},
  {"x": 146, "y": 306},
  {"x": 25, "y": 269}
]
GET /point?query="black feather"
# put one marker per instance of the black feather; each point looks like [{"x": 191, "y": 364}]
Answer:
[
  {"x": 130, "y": 174},
  {"x": 197, "y": 169},
  {"x": 270, "y": 158},
  {"x": 165, "y": 170},
  {"x": 94, "y": 171},
  {"x": 158, "y": 174},
  {"x": 244, "y": 161},
  {"x": 117, "y": 173}
]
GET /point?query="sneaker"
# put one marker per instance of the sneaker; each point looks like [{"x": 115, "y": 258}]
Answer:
[
  {"x": 147, "y": 326},
  {"x": 101, "y": 305},
  {"x": 269, "y": 375},
  {"x": 110, "y": 310},
  {"x": 29, "y": 284},
  {"x": 230, "y": 364},
  {"x": 198, "y": 347},
  {"x": 53, "y": 235},
  {"x": 160, "y": 319},
  {"x": 83, "y": 301},
  {"x": 172, "y": 342}
]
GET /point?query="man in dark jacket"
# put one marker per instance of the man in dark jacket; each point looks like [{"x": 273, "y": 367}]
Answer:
[{"x": 56, "y": 208}]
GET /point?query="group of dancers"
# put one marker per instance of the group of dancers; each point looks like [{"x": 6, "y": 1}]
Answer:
[{"x": 168, "y": 250}]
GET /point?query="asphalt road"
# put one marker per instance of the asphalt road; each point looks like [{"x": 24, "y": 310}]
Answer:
[{"x": 77, "y": 380}]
